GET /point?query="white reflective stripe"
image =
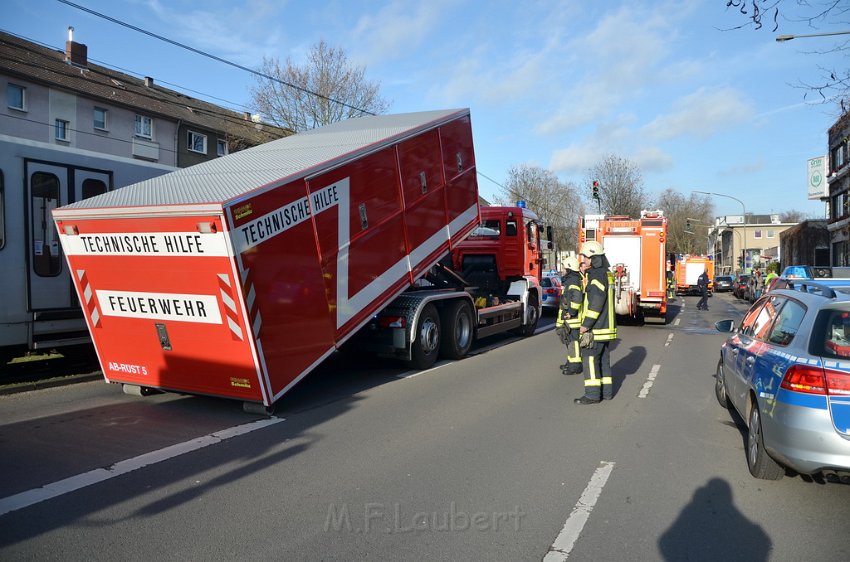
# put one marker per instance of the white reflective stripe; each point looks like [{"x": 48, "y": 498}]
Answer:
[
  {"x": 228, "y": 301},
  {"x": 234, "y": 327}
]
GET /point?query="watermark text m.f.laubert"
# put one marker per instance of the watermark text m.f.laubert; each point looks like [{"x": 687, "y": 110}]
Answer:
[{"x": 391, "y": 518}]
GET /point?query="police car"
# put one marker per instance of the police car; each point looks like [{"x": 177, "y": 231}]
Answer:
[
  {"x": 786, "y": 370},
  {"x": 552, "y": 290}
]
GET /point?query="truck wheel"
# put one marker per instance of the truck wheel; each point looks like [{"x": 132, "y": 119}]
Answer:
[
  {"x": 458, "y": 330},
  {"x": 426, "y": 346},
  {"x": 532, "y": 317}
]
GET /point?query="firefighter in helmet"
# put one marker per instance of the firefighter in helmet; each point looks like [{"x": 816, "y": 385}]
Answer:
[
  {"x": 569, "y": 315},
  {"x": 598, "y": 326}
]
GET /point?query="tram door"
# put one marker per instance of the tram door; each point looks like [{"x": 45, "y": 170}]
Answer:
[{"x": 50, "y": 186}]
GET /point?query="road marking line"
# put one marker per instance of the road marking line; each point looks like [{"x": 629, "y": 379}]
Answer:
[
  {"x": 669, "y": 339},
  {"x": 566, "y": 539},
  {"x": 650, "y": 380},
  {"x": 73, "y": 483},
  {"x": 676, "y": 323}
]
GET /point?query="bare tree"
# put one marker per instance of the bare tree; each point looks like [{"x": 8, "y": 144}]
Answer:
[
  {"x": 621, "y": 190},
  {"x": 554, "y": 201},
  {"x": 679, "y": 210},
  {"x": 810, "y": 16},
  {"x": 326, "y": 89},
  {"x": 792, "y": 216}
]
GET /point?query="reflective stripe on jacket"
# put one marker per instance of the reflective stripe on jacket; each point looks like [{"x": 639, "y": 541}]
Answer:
[
  {"x": 599, "y": 315},
  {"x": 572, "y": 299}
]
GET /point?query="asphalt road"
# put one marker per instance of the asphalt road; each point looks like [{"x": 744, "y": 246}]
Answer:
[{"x": 482, "y": 459}]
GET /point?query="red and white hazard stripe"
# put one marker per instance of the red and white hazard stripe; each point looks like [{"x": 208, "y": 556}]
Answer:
[
  {"x": 88, "y": 295},
  {"x": 225, "y": 288},
  {"x": 251, "y": 304}
]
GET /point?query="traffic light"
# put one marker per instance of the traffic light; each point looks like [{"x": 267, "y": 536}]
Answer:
[
  {"x": 740, "y": 263},
  {"x": 595, "y": 188},
  {"x": 688, "y": 224}
]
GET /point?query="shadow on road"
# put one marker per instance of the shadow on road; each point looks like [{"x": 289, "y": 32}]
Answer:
[{"x": 710, "y": 527}]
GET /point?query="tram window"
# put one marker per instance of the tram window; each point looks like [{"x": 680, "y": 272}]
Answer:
[
  {"x": 2, "y": 212},
  {"x": 93, "y": 187},
  {"x": 46, "y": 261}
]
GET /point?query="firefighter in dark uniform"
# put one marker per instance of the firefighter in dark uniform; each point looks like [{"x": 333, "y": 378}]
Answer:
[
  {"x": 598, "y": 326},
  {"x": 569, "y": 316}
]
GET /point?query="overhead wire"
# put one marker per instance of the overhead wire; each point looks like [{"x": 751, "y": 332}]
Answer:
[{"x": 214, "y": 57}]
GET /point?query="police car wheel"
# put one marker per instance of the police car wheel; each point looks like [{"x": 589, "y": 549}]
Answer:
[
  {"x": 720, "y": 386},
  {"x": 758, "y": 461}
]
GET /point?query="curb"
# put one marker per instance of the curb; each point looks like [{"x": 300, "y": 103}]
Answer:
[{"x": 17, "y": 388}]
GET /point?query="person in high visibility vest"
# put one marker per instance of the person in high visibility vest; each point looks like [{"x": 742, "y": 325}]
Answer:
[
  {"x": 569, "y": 315},
  {"x": 598, "y": 326}
]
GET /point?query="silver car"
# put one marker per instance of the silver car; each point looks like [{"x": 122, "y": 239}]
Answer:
[{"x": 786, "y": 371}]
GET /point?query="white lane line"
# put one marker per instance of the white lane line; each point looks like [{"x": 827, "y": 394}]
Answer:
[
  {"x": 61, "y": 487},
  {"x": 434, "y": 367},
  {"x": 669, "y": 340},
  {"x": 650, "y": 380},
  {"x": 676, "y": 323},
  {"x": 566, "y": 539}
]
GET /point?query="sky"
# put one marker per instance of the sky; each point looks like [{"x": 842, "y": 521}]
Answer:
[{"x": 667, "y": 85}]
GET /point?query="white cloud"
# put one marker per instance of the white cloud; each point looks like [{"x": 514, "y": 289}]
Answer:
[
  {"x": 702, "y": 114},
  {"x": 398, "y": 28}
]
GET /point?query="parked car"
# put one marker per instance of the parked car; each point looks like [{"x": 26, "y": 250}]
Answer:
[
  {"x": 741, "y": 286},
  {"x": 552, "y": 289},
  {"x": 723, "y": 283},
  {"x": 786, "y": 371}
]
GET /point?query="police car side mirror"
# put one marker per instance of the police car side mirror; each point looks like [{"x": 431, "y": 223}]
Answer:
[{"x": 725, "y": 326}]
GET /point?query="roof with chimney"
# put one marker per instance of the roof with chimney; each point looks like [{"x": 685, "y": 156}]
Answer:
[{"x": 72, "y": 71}]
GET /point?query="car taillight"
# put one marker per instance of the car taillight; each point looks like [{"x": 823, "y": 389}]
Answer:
[
  {"x": 816, "y": 380},
  {"x": 551, "y": 291},
  {"x": 837, "y": 383},
  {"x": 804, "y": 378}
]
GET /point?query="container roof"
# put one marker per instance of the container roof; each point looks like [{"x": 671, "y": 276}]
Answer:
[{"x": 227, "y": 179}]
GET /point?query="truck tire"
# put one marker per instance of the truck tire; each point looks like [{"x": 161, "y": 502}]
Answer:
[
  {"x": 426, "y": 345},
  {"x": 533, "y": 316},
  {"x": 458, "y": 330}
]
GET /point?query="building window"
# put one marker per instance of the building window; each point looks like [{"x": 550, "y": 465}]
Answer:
[
  {"x": 144, "y": 127},
  {"x": 61, "y": 128},
  {"x": 838, "y": 157},
  {"x": 99, "y": 119},
  {"x": 839, "y": 253},
  {"x": 197, "y": 142},
  {"x": 837, "y": 209},
  {"x": 771, "y": 233},
  {"x": 16, "y": 97},
  {"x": 757, "y": 234},
  {"x": 221, "y": 147}
]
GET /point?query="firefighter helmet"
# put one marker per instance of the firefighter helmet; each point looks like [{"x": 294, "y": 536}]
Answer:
[
  {"x": 592, "y": 248},
  {"x": 571, "y": 263}
]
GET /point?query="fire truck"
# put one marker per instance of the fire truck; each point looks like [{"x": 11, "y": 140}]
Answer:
[
  {"x": 237, "y": 277},
  {"x": 688, "y": 270},
  {"x": 636, "y": 250}
]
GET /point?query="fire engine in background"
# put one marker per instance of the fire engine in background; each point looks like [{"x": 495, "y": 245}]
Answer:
[
  {"x": 636, "y": 250},
  {"x": 236, "y": 277},
  {"x": 688, "y": 270}
]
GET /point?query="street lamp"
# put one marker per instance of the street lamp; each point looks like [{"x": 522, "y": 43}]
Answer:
[
  {"x": 781, "y": 38},
  {"x": 744, "y": 208}
]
